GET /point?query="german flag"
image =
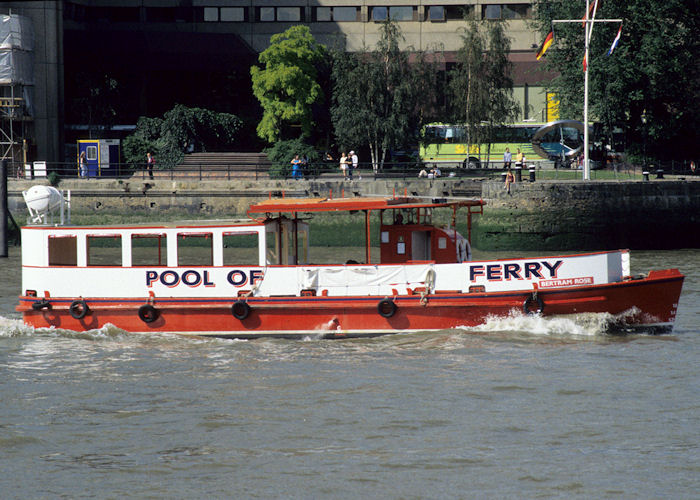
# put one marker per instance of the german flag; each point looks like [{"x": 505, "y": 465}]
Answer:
[{"x": 545, "y": 45}]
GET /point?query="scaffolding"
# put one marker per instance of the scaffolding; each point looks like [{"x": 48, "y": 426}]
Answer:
[{"x": 16, "y": 87}]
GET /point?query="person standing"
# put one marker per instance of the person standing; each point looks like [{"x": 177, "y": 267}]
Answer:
[
  {"x": 296, "y": 167},
  {"x": 507, "y": 158},
  {"x": 355, "y": 162},
  {"x": 344, "y": 165},
  {"x": 519, "y": 159},
  {"x": 510, "y": 179},
  {"x": 150, "y": 162},
  {"x": 82, "y": 164}
]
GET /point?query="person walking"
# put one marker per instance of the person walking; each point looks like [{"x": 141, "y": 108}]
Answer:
[
  {"x": 82, "y": 164},
  {"x": 150, "y": 162}
]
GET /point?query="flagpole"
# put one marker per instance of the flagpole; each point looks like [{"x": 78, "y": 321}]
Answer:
[
  {"x": 586, "y": 168},
  {"x": 588, "y": 31}
]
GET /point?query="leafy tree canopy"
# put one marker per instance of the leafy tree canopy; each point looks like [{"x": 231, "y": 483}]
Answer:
[
  {"x": 380, "y": 100},
  {"x": 480, "y": 86},
  {"x": 649, "y": 83},
  {"x": 287, "y": 86},
  {"x": 181, "y": 129}
]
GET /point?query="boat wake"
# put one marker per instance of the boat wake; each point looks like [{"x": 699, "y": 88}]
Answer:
[{"x": 587, "y": 325}]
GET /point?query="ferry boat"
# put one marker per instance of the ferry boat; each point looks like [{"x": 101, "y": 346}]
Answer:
[{"x": 257, "y": 277}]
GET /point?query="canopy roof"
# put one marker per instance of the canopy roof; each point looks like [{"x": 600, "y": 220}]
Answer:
[{"x": 353, "y": 204}]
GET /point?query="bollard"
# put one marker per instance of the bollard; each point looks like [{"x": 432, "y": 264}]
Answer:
[
  {"x": 660, "y": 173},
  {"x": 518, "y": 174},
  {"x": 532, "y": 173},
  {"x": 645, "y": 175},
  {"x": 3, "y": 208}
]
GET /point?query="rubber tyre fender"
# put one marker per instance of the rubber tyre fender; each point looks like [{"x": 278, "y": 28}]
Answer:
[
  {"x": 78, "y": 309},
  {"x": 148, "y": 313},
  {"x": 530, "y": 301},
  {"x": 386, "y": 308},
  {"x": 41, "y": 304},
  {"x": 240, "y": 310}
]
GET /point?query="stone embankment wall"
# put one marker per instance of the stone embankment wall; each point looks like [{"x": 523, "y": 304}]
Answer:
[
  {"x": 223, "y": 198},
  {"x": 577, "y": 215}
]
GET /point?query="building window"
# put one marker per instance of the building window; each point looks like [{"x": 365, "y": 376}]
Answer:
[
  {"x": 491, "y": 11},
  {"x": 345, "y": 14},
  {"x": 379, "y": 13},
  {"x": 232, "y": 14},
  {"x": 506, "y": 11},
  {"x": 436, "y": 13},
  {"x": 323, "y": 14},
  {"x": 458, "y": 12},
  {"x": 401, "y": 13},
  {"x": 267, "y": 14},
  {"x": 211, "y": 14},
  {"x": 289, "y": 14}
]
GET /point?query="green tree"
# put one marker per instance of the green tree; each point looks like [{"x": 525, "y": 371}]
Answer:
[
  {"x": 181, "y": 129},
  {"x": 502, "y": 108},
  {"x": 379, "y": 99},
  {"x": 287, "y": 86},
  {"x": 646, "y": 85},
  {"x": 480, "y": 86}
]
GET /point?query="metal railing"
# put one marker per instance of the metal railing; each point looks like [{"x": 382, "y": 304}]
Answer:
[{"x": 329, "y": 170}]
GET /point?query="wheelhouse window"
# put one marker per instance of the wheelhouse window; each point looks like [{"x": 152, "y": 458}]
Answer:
[
  {"x": 148, "y": 250},
  {"x": 194, "y": 249},
  {"x": 63, "y": 251},
  {"x": 240, "y": 249},
  {"x": 104, "y": 250}
]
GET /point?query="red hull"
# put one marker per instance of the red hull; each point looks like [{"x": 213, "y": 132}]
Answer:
[{"x": 649, "y": 303}]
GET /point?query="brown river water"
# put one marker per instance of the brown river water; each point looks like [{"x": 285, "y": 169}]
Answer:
[{"x": 521, "y": 407}]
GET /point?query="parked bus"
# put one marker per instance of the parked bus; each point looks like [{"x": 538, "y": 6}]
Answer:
[{"x": 446, "y": 144}]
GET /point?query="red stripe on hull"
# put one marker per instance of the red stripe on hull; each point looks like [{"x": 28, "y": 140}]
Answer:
[{"x": 651, "y": 301}]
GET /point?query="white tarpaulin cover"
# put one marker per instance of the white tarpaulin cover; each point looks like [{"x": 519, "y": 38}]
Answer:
[
  {"x": 16, "y": 50},
  {"x": 16, "y": 32}
]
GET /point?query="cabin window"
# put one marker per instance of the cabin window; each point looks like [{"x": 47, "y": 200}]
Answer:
[
  {"x": 148, "y": 250},
  {"x": 240, "y": 249},
  {"x": 104, "y": 250},
  {"x": 272, "y": 247},
  {"x": 442, "y": 243},
  {"x": 91, "y": 153},
  {"x": 63, "y": 251},
  {"x": 194, "y": 249}
]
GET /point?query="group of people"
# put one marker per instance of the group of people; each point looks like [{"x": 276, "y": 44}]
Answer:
[
  {"x": 433, "y": 174},
  {"x": 348, "y": 164},
  {"x": 508, "y": 159}
]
